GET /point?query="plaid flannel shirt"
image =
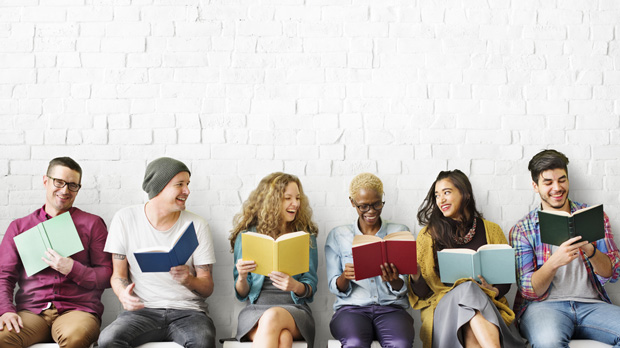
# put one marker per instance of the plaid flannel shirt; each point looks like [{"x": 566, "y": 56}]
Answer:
[{"x": 531, "y": 254}]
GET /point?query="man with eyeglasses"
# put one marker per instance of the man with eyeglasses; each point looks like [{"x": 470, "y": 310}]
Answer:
[{"x": 62, "y": 303}]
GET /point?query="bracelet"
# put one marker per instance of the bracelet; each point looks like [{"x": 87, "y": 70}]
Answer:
[{"x": 591, "y": 256}]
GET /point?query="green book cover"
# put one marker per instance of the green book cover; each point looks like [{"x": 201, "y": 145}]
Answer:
[
  {"x": 495, "y": 262},
  {"x": 58, "y": 233},
  {"x": 556, "y": 227}
]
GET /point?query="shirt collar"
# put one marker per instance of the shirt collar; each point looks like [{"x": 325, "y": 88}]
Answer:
[
  {"x": 43, "y": 216},
  {"x": 381, "y": 233}
]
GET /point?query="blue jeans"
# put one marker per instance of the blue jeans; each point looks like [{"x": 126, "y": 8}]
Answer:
[
  {"x": 554, "y": 324},
  {"x": 189, "y": 328},
  {"x": 357, "y": 326}
]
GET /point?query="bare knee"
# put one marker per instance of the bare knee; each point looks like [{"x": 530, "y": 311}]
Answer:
[
  {"x": 469, "y": 337},
  {"x": 286, "y": 339},
  {"x": 272, "y": 319}
]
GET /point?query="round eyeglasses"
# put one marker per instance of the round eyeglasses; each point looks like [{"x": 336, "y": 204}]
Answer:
[{"x": 366, "y": 207}]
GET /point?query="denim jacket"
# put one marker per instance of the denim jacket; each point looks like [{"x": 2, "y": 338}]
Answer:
[
  {"x": 256, "y": 280},
  {"x": 366, "y": 292}
]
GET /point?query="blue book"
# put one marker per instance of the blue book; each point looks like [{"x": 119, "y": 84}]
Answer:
[
  {"x": 494, "y": 262},
  {"x": 161, "y": 259}
]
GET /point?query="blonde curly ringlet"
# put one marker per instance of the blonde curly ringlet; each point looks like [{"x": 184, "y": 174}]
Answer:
[
  {"x": 365, "y": 181},
  {"x": 263, "y": 209}
]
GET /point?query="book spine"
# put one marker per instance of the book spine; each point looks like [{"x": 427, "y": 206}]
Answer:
[
  {"x": 276, "y": 263},
  {"x": 384, "y": 254},
  {"x": 44, "y": 237},
  {"x": 172, "y": 259},
  {"x": 477, "y": 266},
  {"x": 571, "y": 227}
]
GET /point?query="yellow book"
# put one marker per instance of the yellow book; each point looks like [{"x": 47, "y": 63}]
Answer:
[{"x": 289, "y": 253}]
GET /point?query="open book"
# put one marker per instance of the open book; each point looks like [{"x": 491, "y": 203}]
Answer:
[
  {"x": 161, "y": 258},
  {"x": 369, "y": 252},
  {"x": 57, "y": 233},
  {"x": 556, "y": 227},
  {"x": 289, "y": 253},
  {"x": 494, "y": 262}
]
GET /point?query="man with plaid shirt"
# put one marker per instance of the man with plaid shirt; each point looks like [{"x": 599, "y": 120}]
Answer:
[{"x": 561, "y": 294}]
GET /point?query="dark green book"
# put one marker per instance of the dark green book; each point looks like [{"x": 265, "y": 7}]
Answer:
[{"x": 556, "y": 227}]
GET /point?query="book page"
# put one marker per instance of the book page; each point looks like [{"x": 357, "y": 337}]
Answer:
[
  {"x": 258, "y": 235},
  {"x": 402, "y": 235},
  {"x": 580, "y": 211},
  {"x": 289, "y": 235},
  {"x": 365, "y": 239},
  {"x": 494, "y": 247},
  {"x": 459, "y": 251}
]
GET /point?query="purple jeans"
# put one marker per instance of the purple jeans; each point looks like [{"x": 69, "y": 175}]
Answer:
[{"x": 358, "y": 326}]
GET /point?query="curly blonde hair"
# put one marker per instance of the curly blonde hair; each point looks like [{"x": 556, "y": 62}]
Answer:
[
  {"x": 365, "y": 181},
  {"x": 263, "y": 209}
]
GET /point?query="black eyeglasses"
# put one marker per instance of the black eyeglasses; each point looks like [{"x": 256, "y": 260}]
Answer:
[
  {"x": 366, "y": 207},
  {"x": 73, "y": 187}
]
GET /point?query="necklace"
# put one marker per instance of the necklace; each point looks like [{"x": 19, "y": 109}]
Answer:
[{"x": 468, "y": 237}]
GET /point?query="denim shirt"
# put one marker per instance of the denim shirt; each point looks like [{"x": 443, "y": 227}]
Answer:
[
  {"x": 366, "y": 292},
  {"x": 256, "y": 280}
]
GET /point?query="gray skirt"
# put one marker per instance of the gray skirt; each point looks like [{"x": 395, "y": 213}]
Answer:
[
  {"x": 270, "y": 296},
  {"x": 458, "y": 307}
]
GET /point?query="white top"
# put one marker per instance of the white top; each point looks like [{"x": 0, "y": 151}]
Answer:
[{"x": 130, "y": 230}]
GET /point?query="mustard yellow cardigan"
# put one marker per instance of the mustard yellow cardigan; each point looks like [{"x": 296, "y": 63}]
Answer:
[{"x": 427, "y": 306}]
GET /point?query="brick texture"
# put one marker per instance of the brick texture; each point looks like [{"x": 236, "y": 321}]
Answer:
[{"x": 322, "y": 89}]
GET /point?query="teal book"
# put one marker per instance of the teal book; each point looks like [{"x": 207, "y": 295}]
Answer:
[
  {"x": 161, "y": 259},
  {"x": 556, "y": 227},
  {"x": 58, "y": 233},
  {"x": 494, "y": 262}
]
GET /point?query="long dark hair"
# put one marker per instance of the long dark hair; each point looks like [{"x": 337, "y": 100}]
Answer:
[{"x": 441, "y": 228}]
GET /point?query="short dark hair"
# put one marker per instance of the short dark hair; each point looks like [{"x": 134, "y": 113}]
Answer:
[
  {"x": 65, "y": 162},
  {"x": 546, "y": 160}
]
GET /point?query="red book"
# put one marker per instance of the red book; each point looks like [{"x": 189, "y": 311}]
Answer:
[{"x": 369, "y": 252}]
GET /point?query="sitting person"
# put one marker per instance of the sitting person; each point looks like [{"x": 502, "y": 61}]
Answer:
[
  {"x": 61, "y": 303},
  {"x": 277, "y": 312},
  {"x": 373, "y": 308},
  {"x": 463, "y": 314},
  {"x": 160, "y": 306},
  {"x": 561, "y": 294}
]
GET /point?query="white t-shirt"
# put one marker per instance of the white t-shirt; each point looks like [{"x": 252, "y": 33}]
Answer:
[{"x": 130, "y": 230}]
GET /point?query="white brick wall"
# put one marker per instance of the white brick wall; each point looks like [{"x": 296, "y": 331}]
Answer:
[{"x": 322, "y": 89}]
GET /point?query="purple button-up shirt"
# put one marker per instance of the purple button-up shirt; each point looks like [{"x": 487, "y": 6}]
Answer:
[{"x": 79, "y": 290}]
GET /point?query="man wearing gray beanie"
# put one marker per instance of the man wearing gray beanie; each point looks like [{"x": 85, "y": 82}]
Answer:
[{"x": 160, "y": 306}]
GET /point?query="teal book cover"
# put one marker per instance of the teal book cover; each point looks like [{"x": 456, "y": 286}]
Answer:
[
  {"x": 58, "y": 233},
  {"x": 495, "y": 262}
]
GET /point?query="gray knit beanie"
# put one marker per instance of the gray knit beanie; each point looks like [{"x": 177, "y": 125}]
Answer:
[{"x": 159, "y": 173}]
